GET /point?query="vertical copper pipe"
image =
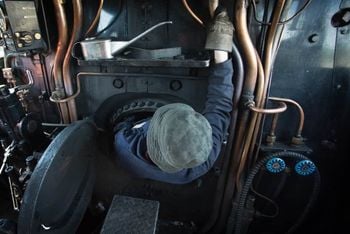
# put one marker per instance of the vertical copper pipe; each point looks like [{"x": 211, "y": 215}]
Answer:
[
  {"x": 67, "y": 76},
  {"x": 280, "y": 10},
  {"x": 60, "y": 53},
  {"x": 274, "y": 125},
  {"x": 246, "y": 46},
  {"x": 271, "y": 34},
  {"x": 248, "y": 52},
  {"x": 253, "y": 122},
  {"x": 213, "y": 4}
]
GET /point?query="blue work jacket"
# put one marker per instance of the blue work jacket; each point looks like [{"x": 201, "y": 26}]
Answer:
[{"x": 130, "y": 140}]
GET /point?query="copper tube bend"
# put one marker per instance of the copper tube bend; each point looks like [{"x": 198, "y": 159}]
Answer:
[
  {"x": 300, "y": 109},
  {"x": 282, "y": 108}
]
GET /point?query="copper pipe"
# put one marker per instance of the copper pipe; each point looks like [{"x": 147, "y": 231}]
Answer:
[
  {"x": 261, "y": 105},
  {"x": 280, "y": 29},
  {"x": 213, "y": 4},
  {"x": 274, "y": 125},
  {"x": 282, "y": 108},
  {"x": 76, "y": 94},
  {"x": 77, "y": 24},
  {"x": 269, "y": 56},
  {"x": 300, "y": 109},
  {"x": 248, "y": 141},
  {"x": 270, "y": 39},
  {"x": 195, "y": 17},
  {"x": 96, "y": 19},
  {"x": 253, "y": 122},
  {"x": 247, "y": 47},
  {"x": 248, "y": 51},
  {"x": 249, "y": 55},
  {"x": 60, "y": 53}
]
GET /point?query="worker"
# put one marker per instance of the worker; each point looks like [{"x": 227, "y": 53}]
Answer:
[{"x": 178, "y": 145}]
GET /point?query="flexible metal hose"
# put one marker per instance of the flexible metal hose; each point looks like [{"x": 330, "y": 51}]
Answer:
[{"x": 249, "y": 181}]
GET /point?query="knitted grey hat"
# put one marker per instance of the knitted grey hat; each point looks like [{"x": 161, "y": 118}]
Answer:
[{"x": 178, "y": 137}]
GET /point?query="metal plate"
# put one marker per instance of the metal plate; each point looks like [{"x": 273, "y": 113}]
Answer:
[
  {"x": 22, "y": 16},
  {"x": 131, "y": 215},
  {"x": 61, "y": 185}
]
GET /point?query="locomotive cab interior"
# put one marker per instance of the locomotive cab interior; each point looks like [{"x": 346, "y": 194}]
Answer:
[{"x": 73, "y": 72}]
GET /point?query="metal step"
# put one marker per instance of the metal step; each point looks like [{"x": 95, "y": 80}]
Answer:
[{"x": 131, "y": 215}]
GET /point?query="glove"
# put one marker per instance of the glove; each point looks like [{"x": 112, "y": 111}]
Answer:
[{"x": 220, "y": 32}]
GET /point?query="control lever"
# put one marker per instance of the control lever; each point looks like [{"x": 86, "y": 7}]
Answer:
[
  {"x": 7, "y": 154},
  {"x": 15, "y": 189}
]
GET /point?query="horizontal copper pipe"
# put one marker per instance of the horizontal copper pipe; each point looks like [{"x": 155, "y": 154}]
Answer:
[
  {"x": 67, "y": 76},
  {"x": 300, "y": 109},
  {"x": 76, "y": 94}
]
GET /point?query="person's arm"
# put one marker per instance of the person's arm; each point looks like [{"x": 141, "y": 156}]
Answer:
[{"x": 219, "y": 102}]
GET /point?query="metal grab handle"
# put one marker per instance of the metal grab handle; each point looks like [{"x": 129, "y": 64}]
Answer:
[
  {"x": 149, "y": 30},
  {"x": 119, "y": 45}
]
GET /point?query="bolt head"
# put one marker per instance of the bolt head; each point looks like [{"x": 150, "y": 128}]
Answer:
[{"x": 37, "y": 36}]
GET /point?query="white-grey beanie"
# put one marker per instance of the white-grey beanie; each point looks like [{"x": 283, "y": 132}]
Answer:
[{"x": 178, "y": 137}]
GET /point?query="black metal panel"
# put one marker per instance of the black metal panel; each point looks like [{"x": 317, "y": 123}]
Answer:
[
  {"x": 312, "y": 67},
  {"x": 303, "y": 69},
  {"x": 97, "y": 89}
]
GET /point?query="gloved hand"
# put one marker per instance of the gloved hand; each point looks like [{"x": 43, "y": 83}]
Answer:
[{"x": 220, "y": 32}]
